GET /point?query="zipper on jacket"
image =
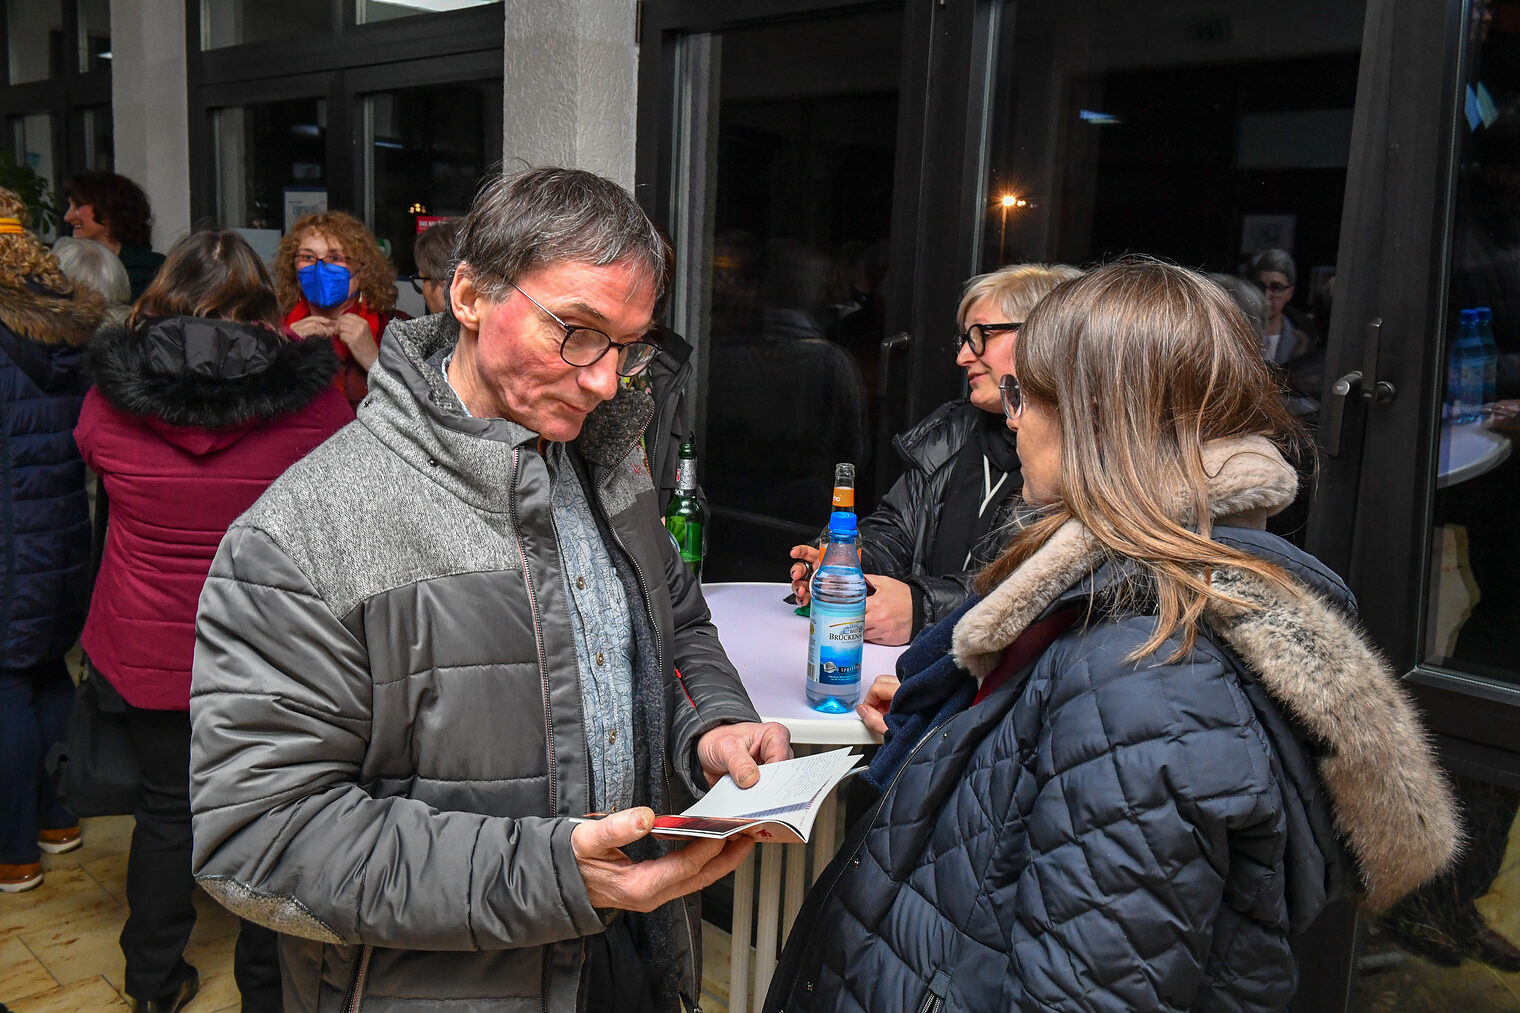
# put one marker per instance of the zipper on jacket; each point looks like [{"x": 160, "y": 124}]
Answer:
[
  {"x": 934, "y": 995},
  {"x": 538, "y": 635},
  {"x": 356, "y": 983},
  {"x": 659, "y": 654}
]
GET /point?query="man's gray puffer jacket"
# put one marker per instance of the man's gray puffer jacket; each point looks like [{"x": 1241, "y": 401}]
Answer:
[
  {"x": 387, "y": 711},
  {"x": 1107, "y": 835}
]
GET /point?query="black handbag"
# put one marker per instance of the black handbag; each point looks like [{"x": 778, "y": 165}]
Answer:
[{"x": 94, "y": 769}]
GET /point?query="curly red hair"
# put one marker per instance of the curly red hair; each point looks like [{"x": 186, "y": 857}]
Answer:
[{"x": 366, "y": 262}]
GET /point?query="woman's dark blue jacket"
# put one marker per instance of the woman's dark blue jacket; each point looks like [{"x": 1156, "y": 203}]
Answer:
[
  {"x": 44, "y": 514},
  {"x": 1105, "y": 834}
]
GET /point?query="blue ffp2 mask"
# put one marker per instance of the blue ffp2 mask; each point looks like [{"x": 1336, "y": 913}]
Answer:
[{"x": 324, "y": 285}]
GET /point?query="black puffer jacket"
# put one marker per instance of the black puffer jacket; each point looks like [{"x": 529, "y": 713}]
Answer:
[
  {"x": 1102, "y": 834},
  {"x": 897, "y": 537}
]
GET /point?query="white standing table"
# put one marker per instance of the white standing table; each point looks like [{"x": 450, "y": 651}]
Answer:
[{"x": 767, "y": 642}]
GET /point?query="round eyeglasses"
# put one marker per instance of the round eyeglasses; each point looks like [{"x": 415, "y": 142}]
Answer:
[
  {"x": 1012, "y": 397},
  {"x": 977, "y": 334},
  {"x": 583, "y": 346}
]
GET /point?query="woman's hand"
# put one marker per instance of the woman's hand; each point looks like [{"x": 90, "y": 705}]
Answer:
[
  {"x": 877, "y": 701},
  {"x": 354, "y": 333},
  {"x": 889, "y": 612},
  {"x": 802, "y": 571},
  {"x": 315, "y": 327}
]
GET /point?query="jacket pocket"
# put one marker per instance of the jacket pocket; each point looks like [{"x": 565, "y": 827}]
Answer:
[{"x": 934, "y": 996}]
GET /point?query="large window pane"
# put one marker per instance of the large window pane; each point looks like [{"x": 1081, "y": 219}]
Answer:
[
  {"x": 783, "y": 297},
  {"x": 31, "y": 140},
  {"x": 427, "y": 148},
  {"x": 35, "y": 31},
  {"x": 235, "y": 22},
  {"x": 94, "y": 35},
  {"x": 267, "y": 156},
  {"x": 99, "y": 146},
  {"x": 388, "y": 10}
]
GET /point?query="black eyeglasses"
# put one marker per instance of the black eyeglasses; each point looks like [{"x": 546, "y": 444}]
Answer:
[
  {"x": 1012, "y": 397},
  {"x": 583, "y": 346},
  {"x": 977, "y": 334},
  {"x": 304, "y": 259},
  {"x": 1277, "y": 287},
  {"x": 418, "y": 279}
]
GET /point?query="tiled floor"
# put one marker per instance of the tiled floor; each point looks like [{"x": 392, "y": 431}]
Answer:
[{"x": 58, "y": 943}]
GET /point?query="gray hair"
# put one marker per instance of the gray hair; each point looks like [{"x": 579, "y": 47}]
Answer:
[
  {"x": 1272, "y": 259},
  {"x": 1014, "y": 289},
  {"x": 1251, "y": 300},
  {"x": 92, "y": 265},
  {"x": 434, "y": 251},
  {"x": 522, "y": 223}
]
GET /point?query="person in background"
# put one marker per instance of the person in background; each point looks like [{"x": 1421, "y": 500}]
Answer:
[
  {"x": 945, "y": 517},
  {"x": 91, "y": 264},
  {"x": 1286, "y": 336},
  {"x": 433, "y": 252},
  {"x": 460, "y": 626},
  {"x": 1157, "y": 745},
  {"x": 45, "y": 322},
  {"x": 113, "y": 210},
  {"x": 201, "y": 399},
  {"x": 334, "y": 281}
]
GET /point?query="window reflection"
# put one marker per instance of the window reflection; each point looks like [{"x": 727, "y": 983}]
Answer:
[
  {"x": 99, "y": 145},
  {"x": 31, "y": 139},
  {"x": 236, "y": 22},
  {"x": 389, "y": 10},
  {"x": 94, "y": 18},
  {"x": 35, "y": 31},
  {"x": 270, "y": 161}
]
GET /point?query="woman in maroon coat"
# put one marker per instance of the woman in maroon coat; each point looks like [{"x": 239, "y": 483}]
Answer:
[{"x": 201, "y": 400}]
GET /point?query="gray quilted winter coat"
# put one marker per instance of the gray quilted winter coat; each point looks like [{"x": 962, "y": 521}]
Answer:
[
  {"x": 387, "y": 712},
  {"x": 1106, "y": 835}
]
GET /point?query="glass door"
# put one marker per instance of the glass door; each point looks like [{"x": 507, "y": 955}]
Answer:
[
  {"x": 1419, "y": 488},
  {"x": 782, "y": 168}
]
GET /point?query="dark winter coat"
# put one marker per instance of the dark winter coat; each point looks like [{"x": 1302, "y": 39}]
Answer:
[
  {"x": 896, "y": 538},
  {"x": 189, "y": 421},
  {"x": 1102, "y": 834},
  {"x": 387, "y": 708},
  {"x": 43, "y": 511}
]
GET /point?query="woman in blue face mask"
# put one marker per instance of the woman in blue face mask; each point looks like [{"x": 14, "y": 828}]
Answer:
[{"x": 334, "y": 282}]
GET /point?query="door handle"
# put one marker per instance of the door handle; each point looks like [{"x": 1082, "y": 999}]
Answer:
[
  {"x": 1377, "y": 391},
  {"x": 1342, "y": 390},
  {"x": 884, "y": 368}
]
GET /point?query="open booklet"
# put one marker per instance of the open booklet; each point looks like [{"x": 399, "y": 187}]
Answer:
[{"x": 780, "y": 807}]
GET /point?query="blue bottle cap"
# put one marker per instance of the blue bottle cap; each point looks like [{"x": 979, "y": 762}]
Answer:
[
  {"x": 1469, "y": 315},
  {"x": 1483, "y": 313},
  {"x": 842, "y": 523}
]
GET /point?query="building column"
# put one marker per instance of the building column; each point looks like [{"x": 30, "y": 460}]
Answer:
[
  {"x": 150, "y": 108},
  {"x": 570, "y": 76}
]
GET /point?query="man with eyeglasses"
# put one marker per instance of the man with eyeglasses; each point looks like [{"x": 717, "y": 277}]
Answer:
[
  {"x": 1283, "y": 339},
  {"x": 458, "y": 625}
]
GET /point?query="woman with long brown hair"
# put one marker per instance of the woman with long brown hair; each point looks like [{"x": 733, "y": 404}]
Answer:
[
  {"x": 1157, "y": 745},
  {"x": 201, "y": 400}
]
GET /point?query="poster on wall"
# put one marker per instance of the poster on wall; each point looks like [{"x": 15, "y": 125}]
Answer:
[
  {"x": 303, "y": 200},
  {"x": 425, "y": 222}
]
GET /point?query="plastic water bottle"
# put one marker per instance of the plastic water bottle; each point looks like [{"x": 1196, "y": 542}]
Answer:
[
  {"x": 1490, "y": 355},
  {"x": 838, "y": 617},
  {"x": 1464, "y": 371}
]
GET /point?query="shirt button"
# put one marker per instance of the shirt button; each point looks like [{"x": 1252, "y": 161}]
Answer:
[
  {"x": 601, "y": 659},
  {"x": 612, "y": 737},
  {"x": 580, "y": 583}
]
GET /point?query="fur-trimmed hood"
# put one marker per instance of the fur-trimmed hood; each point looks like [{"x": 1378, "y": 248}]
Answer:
[
  {"x": 1393, "y": 807},
  {"x": 208, "y": 374},
  {"x": 48, "y": 317}
]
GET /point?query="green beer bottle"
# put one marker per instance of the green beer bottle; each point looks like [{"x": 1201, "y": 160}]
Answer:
[{"x": 685, "y": 518}]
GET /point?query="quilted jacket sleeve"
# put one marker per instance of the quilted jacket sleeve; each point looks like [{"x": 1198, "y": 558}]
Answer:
[
  {"x": 1154, "y": 794},
  {"x": 284, "y": 834},
  {"x": 889, "y": 533},
  {"x": 706, "y": 691}
]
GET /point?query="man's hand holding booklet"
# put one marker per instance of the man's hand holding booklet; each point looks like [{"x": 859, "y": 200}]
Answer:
[{"x": 780, "y": 807}]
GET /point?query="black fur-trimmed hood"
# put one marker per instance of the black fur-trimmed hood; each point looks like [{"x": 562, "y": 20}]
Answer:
[{"x": 212, "y": 374}]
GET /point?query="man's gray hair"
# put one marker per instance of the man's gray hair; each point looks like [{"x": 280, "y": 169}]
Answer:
[
  {"x": 522, "y": 223},
  {"x": 92, "y": 265},
  {"x": 1273, "y": 259}
]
